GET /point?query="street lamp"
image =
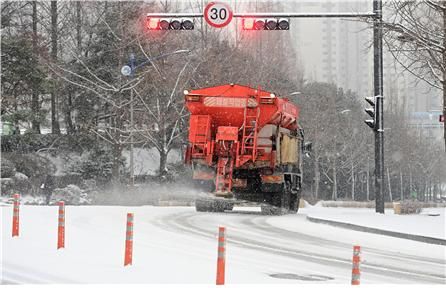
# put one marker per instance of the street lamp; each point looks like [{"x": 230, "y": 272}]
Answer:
[
  {"x": 129, "y": 71},
  {"x": 294, "y": 95}
]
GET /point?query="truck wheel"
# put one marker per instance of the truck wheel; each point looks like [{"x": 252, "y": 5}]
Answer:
[
  {"x": 221, "y": 205},
  {"x": 212, "y": 205},
  {"x": 272, "y": 210},
  {"x": 294, "y": 202},
  {"x": 203, "y": 205},
  {"x": 279, "y": 203}
]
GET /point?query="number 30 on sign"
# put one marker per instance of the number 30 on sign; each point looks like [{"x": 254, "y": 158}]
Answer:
[{"x": 217, "y": 14}]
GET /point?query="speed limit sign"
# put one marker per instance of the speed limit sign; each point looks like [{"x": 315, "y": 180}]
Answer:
[{"x": 217, "y": 14}]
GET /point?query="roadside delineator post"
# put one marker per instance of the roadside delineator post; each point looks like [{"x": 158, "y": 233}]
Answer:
[
  {"x": 129, "y": 240},
  {"x": 221, "y": 256},
  {"x": 356, "y": 274},
  {"x": 61, "y": 226},
  {"x": 15, "y": 216}
]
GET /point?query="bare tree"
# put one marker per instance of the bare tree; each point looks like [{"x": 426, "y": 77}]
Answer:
[{"x": 415, "y": 33}]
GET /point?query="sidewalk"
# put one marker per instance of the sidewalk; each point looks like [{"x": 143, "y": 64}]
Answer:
[{"x": 422, "y": 227}]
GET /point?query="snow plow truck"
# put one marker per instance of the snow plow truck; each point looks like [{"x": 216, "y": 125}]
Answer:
[{"x": 248, "y": 145}]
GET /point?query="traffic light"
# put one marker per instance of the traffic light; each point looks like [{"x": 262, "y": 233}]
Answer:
[
  {"x": 170, "y": 23},
  {"x": 371, "y": 111},
  {"x": 250, "y": 23}
]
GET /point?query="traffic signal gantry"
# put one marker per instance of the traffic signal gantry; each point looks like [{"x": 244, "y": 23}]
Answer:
[{"x": 219, "y": 15}]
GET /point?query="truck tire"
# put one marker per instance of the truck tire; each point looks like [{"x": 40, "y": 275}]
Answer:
[
  {"x": 294, "y": 202},
  {"x": 267, "y": 209},
  {"x": 278, "y": 203},
  {"x": 212, "y": 205},
  {"x": 203, "y": 205}
]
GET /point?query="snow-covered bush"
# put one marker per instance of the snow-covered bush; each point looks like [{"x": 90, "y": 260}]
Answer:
[
  {"x": 96, "y": 164},
  {"x": 410, "y": 207},
  {"x": 22, "y": 183},
  {"x": 32, "y": 164},
  {"x": 7, "y": 168},
  {"x": 72, "y": 195},
  {"x": 7, "y": 185},
  {"x": 18, "y": 183},
  {"x": 20, "y": 177}
]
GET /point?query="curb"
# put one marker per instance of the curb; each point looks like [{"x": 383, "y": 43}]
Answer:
[{"x": 425, "y": 239}]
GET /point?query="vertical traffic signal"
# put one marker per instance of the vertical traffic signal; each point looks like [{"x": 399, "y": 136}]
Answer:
[
  {"x": 371, "y": 111},
  {"x": 250, "y": 23},
  {"x": 175, "y": 23}
]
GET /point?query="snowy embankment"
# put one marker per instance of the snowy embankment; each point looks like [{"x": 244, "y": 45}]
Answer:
[{"x": 431, "y": 222}]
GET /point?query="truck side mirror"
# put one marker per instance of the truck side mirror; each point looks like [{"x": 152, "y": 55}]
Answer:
[{"x": 308, "y": 147}]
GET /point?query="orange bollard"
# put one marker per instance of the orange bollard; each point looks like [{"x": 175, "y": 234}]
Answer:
[
  {"x": 129, "y": 240},
  {"x": 221, "y": 256},
  {"x": 61, "y": 226},
  {"x": 356, "y": 274},
  {"x": 15, "y": 216}
]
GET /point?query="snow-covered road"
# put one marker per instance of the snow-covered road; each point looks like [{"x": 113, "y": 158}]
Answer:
[{"x": 178, "y": 245}]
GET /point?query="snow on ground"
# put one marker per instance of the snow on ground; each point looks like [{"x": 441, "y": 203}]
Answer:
[
  {"x": 164, "y": 253},
  {"x": 418, "y": 224},
  {"x": 94, "y": 250}
]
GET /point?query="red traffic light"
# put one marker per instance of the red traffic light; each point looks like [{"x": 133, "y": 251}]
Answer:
[
  {"x": 153, "y": 23},
  {"x": 175, "y": 23},
  {"x": 250, "y": 23},
  {"x": 441, "y": 118}
]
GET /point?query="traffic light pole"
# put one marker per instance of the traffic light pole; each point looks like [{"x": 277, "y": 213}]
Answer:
[
  {"x": 267, "y": 15},
  {"x": 379, "y": 103}
]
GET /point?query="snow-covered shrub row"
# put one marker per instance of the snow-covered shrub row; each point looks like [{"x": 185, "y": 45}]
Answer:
[
  {"x": 410, "y": 207},
  {"x": 71, "y": 195},
  {"x": 96, "y": 164},
  {"x": 24, "y": 200},
  {"x": 26, "y": 172}
]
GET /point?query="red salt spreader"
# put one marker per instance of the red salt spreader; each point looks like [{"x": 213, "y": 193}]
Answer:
[{"x": 248, "y": 145}]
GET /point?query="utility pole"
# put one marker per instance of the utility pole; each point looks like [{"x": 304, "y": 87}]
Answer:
[
  {"x": 132, "y": 172},
  {"x": 378, "y": 89},
  {"x": 368, "y": 179}
]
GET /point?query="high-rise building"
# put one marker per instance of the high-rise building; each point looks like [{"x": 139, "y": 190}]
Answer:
[
  {"x": 334, "y": 50},
  {"x": 340, "y": 51}
]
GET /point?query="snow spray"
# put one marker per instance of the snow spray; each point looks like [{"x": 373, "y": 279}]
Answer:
[
  {"x": 221, "y": 256},
  {"x": 129, "y": 240},
  {"x": 61, "y": 226},
  {"x": 356, "y": 274},
  {"x": 15, "y": 216}
]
